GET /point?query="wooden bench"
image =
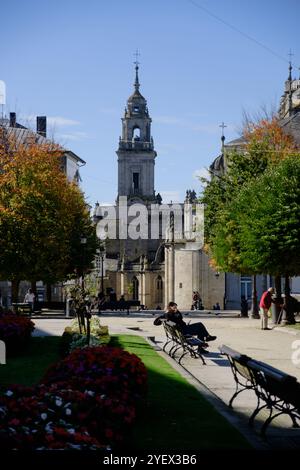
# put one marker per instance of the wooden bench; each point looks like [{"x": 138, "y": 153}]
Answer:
[
  {"x": 276, "y": 391},
  {"x": 119, "y": 305},
  {"x": 186, "y": 343}
]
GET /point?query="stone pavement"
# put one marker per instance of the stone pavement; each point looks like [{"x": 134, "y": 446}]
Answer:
[{"x": 215, "y": 379}]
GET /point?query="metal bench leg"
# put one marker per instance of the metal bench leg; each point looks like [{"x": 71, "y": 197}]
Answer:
[
  {"x": 182, "y": 356},
  {"x": 267, "y": 422},
  {"x": 202, "y": 358},
  {"x": 294, "y": 419},
  {"x": 255, "y": 413},
  {"x": 166, "y": 344}
]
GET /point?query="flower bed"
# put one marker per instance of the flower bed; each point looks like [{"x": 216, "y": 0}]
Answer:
[
  {"x": 15, "y": 331},
  {"x": 86, "y": 401},
  {"x": 40, "y": 419},
  {"x": 101, "y": 369}
]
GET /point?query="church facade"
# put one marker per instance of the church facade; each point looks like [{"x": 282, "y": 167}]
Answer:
[
  {"x": 152, "y": 253},
  {"x": 134, "y": 264}
]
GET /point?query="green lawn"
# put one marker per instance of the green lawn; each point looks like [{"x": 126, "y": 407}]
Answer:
[
  {"x": 175, "y": 415},
  {"x": 30, "y": 365},
  {"x": 296, "y": 326}
]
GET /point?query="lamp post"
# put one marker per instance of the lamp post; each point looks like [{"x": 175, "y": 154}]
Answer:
[
  {"x": 254, "y": 308},
  {"x": 101, "y": 254},
  {"x": 83, "y": 243}
]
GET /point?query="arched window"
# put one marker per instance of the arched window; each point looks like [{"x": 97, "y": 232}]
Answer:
[
  {"x": 135, "y": 290},
  {"x": 159, "y": 290},
  {"x": 136, "y": 133}
]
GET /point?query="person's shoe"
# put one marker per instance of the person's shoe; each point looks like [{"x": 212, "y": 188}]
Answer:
[
  {"x": 210, "y": 338},
  {"x": 267, "y": 328}
]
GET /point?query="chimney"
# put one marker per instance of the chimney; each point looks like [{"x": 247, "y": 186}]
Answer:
[
  {"x": 12, "y": 119},
  {"x": 41, "y": 125}
]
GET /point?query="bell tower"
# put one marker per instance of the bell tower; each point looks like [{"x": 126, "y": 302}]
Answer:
[{"x": 136, "y": 154}]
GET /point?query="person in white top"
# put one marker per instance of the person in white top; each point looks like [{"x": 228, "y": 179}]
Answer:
[{"x": 29, "y": 298}]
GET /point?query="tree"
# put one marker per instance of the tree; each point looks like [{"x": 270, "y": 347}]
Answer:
[
  {"x": 265, "y": 146},
  {"x": 268, "y": 218},
  {"x": 42, "y": 215}
]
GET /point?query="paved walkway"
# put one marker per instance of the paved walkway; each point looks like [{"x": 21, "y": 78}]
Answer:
[{"x": 215, "y": 379}]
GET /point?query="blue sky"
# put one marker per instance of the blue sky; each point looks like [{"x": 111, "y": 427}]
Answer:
[{"x": 72, "y": 60}]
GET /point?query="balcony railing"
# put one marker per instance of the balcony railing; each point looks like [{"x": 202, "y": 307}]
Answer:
[{"x": 135, "y": 145}]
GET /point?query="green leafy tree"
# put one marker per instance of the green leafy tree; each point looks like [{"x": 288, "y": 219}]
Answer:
[
  {"x": 267, "y": 214},
  {"x": 265, "y": 146}
]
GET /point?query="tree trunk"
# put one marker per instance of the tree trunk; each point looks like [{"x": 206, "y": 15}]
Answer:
[
  {"x": 15, "y": 283},
  {"x": 254, "y": 307},
  {"x": 48, "y": 292},
  {"x": 35, "y": 302},
  {"x": 288, "y": 314},
  {"x": 33, "y": 286},
  {"x": 88, "y": 328},
  {"x": 276, "y": 309}
]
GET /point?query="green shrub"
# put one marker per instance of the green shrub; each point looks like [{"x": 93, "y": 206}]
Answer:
[
  {"x": 65, "y": 342},
  {"x": 72, "y": 339},
  {"x": 80, "y": 341}
]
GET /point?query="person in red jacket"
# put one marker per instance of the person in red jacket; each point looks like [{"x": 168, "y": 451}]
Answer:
[{"x": 264, "y": 305}]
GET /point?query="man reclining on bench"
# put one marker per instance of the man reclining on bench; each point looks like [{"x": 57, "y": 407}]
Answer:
[{"x": 197, "y": 329}]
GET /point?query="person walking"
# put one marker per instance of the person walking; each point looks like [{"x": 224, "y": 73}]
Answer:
[
  {"x": 195, "y": 304},
  {"x": 264, "y": 306},
  {"x": 29, "y": 299}
]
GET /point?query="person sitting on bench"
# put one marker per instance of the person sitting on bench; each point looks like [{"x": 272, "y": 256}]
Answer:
[{"x": 196, "y": 329}]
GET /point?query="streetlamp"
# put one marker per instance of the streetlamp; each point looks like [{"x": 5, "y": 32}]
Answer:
[
  {"x": 83, "y": 241},
  {"x": 101, "y": 254}
]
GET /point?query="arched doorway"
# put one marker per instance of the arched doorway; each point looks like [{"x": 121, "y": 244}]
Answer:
[
  {"x": 135, "y": 288},
  {"x": 159, "y": 290}
]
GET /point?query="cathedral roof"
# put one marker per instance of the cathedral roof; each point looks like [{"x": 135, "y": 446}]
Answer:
[
  {"x": 236, "y": 142},
  {"x": 291, "y": 126},
  {"x": 218, "y": 164},
  {"x": 136, "y": 95}
]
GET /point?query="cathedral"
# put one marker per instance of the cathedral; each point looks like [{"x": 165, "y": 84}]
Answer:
[{"x": 152, "y": 253}]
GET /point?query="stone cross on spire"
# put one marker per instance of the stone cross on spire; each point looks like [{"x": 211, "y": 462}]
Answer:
[
  {"x": 136, "y": 62},
  {"x": 223, "y": 127},
  {"x": 223, "y": 137},
  {"x": 290, "y": 54}
]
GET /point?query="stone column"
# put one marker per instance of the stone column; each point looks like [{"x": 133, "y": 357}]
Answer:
[
  {"x": 166, "y": 275},
  {"x": 122, "y": 283},
  {"x": 144, "y": 298},
  {"x": 171, "y": 273}
]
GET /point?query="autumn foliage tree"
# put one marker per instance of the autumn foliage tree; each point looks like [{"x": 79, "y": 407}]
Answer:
[
  {"x": 42, "y": 215},
  {"x": 265, "y": 147}
]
